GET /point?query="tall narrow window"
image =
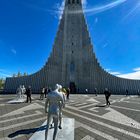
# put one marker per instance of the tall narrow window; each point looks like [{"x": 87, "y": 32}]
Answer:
[
  {"x": 73, "y": 1},
  {"x": 78, "y": 1}
]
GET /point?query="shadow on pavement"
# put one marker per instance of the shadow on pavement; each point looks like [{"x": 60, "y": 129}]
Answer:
[
  {"x": 27, "y": 131},
  {"x": 100, "y": 106}
]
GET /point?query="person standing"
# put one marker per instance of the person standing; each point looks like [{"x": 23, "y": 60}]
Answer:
[
  {"x": 126, "y": 92},
  {"x": 107, "y": 96},
  {"x": 138, "y": 93},
  {"x": 68, "y": 93},
  {"x": 46, "y": 92},
  {"x": 29, "y": 93},
  {"x": 95, "y": 91},
  {"x": 86, "y": 90}
]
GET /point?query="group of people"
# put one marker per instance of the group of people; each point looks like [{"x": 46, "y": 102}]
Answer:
[
  {"x": 127, "y": 92},
  {"x": 55, "y": 102},
  {"x": 107, "y": 94},
  {"x": 45, "y": 91},
  {"x": 21, "y": 91}
]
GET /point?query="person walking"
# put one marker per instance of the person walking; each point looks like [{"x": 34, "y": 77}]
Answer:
[
  {"x": 107, "y": 96},
  {"x": 46, "y": 92},
  {"x": 29, "y": 93}
]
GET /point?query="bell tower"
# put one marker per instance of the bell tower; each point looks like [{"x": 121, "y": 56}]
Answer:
[
  {"x": 72, "y": 61},
  {"x": 73, "y": 20},
  {"x": 73, "y": 2}
]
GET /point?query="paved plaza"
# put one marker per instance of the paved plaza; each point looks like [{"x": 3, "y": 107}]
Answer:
[{"x": 93, "y": 120}]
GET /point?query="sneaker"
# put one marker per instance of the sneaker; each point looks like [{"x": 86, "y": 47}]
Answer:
[{"x": 59, "y": 127}]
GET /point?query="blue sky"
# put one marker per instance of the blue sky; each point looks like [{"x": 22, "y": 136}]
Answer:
[{"x": 28, "y": 29}]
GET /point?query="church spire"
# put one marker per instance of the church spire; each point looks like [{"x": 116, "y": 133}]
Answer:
[{"x": 73, "y": 2}]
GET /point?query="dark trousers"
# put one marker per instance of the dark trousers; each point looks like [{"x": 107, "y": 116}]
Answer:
[
  {"x": 29, "y": 98},
  {"x": 45, "y": 95},
  {"x": 107, "y": 100},
  {"x": 68, "y": 95}
]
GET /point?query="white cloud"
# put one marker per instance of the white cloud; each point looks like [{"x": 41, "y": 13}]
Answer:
[
  {"x": 112, "y": 72},
  {"x": 33, "y": 6},
  {"x": 13, "y": 51},
  {"x": 115, "y": 73},
  {"x": 103, "y": 8},
  {"x": 136, "y": 69},
  {"x": 84, "y": 3},
  {"x": 60, "y": 8},
  {"x": 133, "y": 75},
  {"x": 107, "y": 70},
  {"x": 132, "y": 11}
]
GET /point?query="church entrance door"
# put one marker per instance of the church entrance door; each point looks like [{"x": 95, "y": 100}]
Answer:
[{"x": 72, "y": 87}]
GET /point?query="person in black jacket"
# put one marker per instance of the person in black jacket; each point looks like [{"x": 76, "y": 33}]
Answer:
[
  {"x": 46, "y": 92},
  {"x": 68, "y": 93},
  {"x": 28, "y": 93},
  {"x": 107, "y": 95},
  {"x": 126, "y": 92}
]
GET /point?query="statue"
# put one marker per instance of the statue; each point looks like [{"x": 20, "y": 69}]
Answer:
[
  {"x": 23, "y": 90},
  {"x": 20, "y": 98},
  {"x": 54, "y": 103},
  {"x": 19, "y": 92}
]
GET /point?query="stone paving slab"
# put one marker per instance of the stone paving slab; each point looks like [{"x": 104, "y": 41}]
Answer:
[{"x": 20, "y": 121}]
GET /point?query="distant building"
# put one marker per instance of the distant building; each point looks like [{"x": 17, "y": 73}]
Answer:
[{"x": 72, "y": 62}]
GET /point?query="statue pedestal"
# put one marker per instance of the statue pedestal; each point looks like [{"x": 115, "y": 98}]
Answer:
[
  {"x": 17, "y": 100},
  {"x": 66, "y": 133}
]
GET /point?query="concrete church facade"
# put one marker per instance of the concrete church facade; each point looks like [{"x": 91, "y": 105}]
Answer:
[{"x": 72, "y": 61}]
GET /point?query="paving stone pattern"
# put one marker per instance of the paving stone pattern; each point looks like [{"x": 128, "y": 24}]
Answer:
[{"x": 93, "y": 120}]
